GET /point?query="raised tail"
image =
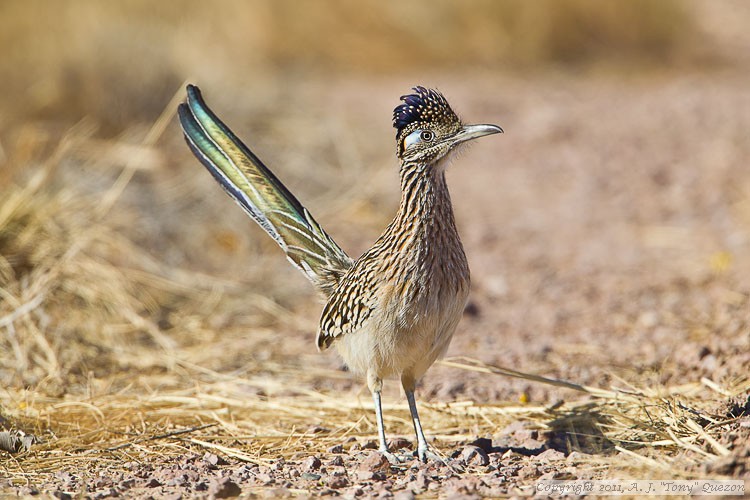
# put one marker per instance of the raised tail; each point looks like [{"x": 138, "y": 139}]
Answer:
[{"x": 257, "y": 190}]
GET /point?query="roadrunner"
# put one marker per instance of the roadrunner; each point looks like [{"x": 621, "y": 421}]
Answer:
[{"x": 391, "y": 312}]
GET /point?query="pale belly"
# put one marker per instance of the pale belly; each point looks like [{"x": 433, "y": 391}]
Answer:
[{"x": 387, "y": 347}]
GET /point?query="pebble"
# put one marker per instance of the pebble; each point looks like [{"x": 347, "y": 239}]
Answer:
[
  {"x": 311, "y": 463},
  {"x": 264, "y": 478},
  {"x": 365, "y": 475},
  {"x": 399, "y": 443},
  {"x": 310, "y": 477},
  {"x": 474, "y": 455},
  {"x": 550, "y": 456},
  {"x": 152, "y": 483},
  {"x": 224, "y": 488},
  {"x": 528, "y": 471},
  {"x": 336, "y": 449},
  {"x": 375, "y": 462},
  {"x": 336, "y": 482}
]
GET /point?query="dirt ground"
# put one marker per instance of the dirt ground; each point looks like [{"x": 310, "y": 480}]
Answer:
[{"x": 608, "y": 234}]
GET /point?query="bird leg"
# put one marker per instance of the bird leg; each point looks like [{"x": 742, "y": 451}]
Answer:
[
  {"x": 423, "y": 451},
  {"x": 376, "y": 384},
  {"x": 422, "y": 448}
]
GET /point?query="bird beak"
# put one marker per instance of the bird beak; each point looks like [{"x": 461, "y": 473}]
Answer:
[{"x": 469, "y": 132}]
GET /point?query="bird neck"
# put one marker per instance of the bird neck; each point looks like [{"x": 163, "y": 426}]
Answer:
[
  {"x": 424, "y": 234},
  {"x": 425, "y": 200}
]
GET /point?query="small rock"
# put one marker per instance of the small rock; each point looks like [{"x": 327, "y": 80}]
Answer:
[
  {"x": 336, "y": 461},
  {"x": 375, "y": 462},
  {"x": 336, "y": 449},
  {"x": 213, "y": 459},
  {"x": 102, "y": 483},
  {"x": 177, "y": 481},
  {"x": 311, "y": 463},
  {"x": 152, "y": 483},
  {"x": 61, "y": 495},
  {"x": 338, "y": 471},
  {"x": 474, "y": 455},
  {"x": 127, "y": 484},
  {"x": 264, "y": 478},
  {"x": 336, "y": 482},
  {"x": 528, "y": 471},
  {"x": 399, "y": 443},
  {"x": 370, "y": 445},
  {"x": 224, "y": 488},
  {"x": 365, "y": 475},
  {"x": 550, "y": 456},
  {"x": 310, "y": 477}
]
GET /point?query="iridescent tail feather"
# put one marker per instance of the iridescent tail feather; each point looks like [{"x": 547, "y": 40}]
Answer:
[{"x": 261, "y": 194}]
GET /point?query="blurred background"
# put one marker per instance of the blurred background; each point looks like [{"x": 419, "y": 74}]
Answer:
[
  {"x": 120, "y": 62},
  {"x": 614, "y": 211}
]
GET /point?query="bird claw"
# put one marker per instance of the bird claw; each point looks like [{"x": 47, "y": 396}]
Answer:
[{"x": 425, "y": 454}]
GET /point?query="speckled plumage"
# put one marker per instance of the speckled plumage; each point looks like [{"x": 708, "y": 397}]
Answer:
[{"x": 391, "y": 312}]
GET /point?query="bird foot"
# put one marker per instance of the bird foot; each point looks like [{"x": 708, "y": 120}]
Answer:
[
  {"x": 392, "y": 458},
  {"x": 425, "y": 455}
]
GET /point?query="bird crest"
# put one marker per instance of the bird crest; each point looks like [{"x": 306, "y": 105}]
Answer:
[{"x": 424, "y": 106}]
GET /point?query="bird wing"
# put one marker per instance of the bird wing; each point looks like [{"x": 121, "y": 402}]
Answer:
[
  {"x": 261, "y": 194},
  {"x": 349, "y": 306}
]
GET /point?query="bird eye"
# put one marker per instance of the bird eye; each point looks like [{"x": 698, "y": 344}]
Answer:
[{"x": 418, "y": 137}]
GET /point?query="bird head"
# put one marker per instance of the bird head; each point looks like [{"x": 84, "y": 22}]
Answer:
[{"x": 427, "y": 128}]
